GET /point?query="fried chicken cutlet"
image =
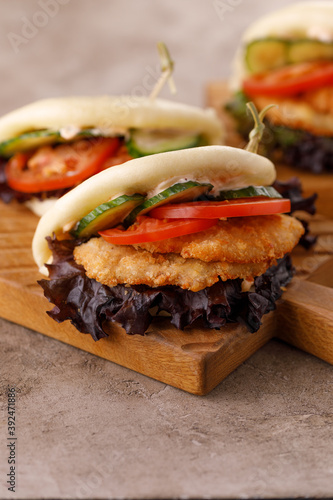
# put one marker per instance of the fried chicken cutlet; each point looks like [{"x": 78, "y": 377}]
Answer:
[
  {"x": 238, "y": 239},
  {"x": 311, "y": 111},
  {"x": 236, "y": 248}
]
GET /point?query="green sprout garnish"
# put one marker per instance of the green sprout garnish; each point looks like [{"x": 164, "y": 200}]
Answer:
[
  {"x": 167, "y": 65},
  {"x": 256, "y": 133}
]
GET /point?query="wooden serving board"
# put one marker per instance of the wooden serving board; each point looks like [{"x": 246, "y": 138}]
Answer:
[
  {"x": 195, "y": 360},
  {"x": 217, "y": 95}
]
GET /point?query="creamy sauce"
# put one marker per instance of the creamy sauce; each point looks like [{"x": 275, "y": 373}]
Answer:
[
  {"x": 69, "y": 132},
  {"x": 236, "y": 183}
]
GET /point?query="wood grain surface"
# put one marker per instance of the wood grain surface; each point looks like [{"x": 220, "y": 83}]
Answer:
[{"x": 197, "y": 359}]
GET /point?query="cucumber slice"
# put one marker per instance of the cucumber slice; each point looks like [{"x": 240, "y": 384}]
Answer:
[
  {"x": 270, "y": 53},
  {"x": 106, "y": 215},
  {"x": 248, "y": 192},
  {"x": 309, "y": 50},
  {"x": 266, "y": 54},
  {"x": 182, "y": 191},
  {"x": 36, "y": 139},
  {"x": 144, "y": 143}
]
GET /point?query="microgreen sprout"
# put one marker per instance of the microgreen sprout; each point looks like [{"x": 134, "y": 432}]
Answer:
[
  {"x": 256, "y": 133},
  {"x": 167, "y": 65}
]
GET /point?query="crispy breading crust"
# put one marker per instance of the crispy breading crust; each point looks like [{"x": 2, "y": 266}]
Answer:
[
  {"x": 239, "y": 239},
  {"x": 119, "y": 264},
  {"x": 311, "y": 111},
  {"x": 237, "y": 248}
]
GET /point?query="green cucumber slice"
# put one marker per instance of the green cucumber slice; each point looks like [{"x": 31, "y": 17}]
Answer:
[
  {"x": 266, "y": 54},
  {"x": 144, "y": 143},
  {"x": 36, "y": 139},
  {"x": 309, "y": 50},
  {"x": 269, "y": 53},
  {"x": 182, "y": 191},
  {"x": 106, "y": 215},
  {"x": 248, "y": 192}
]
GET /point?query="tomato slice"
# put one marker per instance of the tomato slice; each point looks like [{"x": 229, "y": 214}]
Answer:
[
  {"x": 220, "y": 209},
  {"x": 150, "y": 229},
  {"x": 122, "y": 156},
  {"x": 63, "y": 166},
  {"x": 290, "y": 80}
]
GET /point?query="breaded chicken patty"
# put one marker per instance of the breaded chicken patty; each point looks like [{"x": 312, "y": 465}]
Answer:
[
  {"x": 239, "y": 239},
  {"x": 311, "y": 111},
  {"x": 236, "y": 248},
  {"x": 114, "y": 264}
]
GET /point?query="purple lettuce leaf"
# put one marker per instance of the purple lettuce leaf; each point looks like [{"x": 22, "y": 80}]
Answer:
[{"x": 87, "y": 303}]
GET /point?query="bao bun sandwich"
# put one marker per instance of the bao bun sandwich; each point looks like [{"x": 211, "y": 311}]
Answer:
[
  {"x": 199, "y": 234},
  {"x": 286, "y": 57},
  {"x": 50, "y": 146}
]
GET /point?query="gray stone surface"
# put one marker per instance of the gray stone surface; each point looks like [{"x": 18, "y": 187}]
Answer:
[{"x": 88, "y": 428}]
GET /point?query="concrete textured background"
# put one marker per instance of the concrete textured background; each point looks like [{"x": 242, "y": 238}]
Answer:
[{"x": 88, "y": 428}]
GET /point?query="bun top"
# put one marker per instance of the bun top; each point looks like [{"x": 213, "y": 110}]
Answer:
[
  {"x": 310, "y": 20},
  {"x": 224, "y": 167},
  {"x": 111, "y": 114}
]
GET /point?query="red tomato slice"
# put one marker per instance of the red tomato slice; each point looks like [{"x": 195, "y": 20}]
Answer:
[
  {"x": 121, "y": 156},
  {"x": 59, "y": 167},
  {"x": 149, "y": 229},
  {"x": 290, "y": 80},
  {"x": 220, "y": 209}
]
